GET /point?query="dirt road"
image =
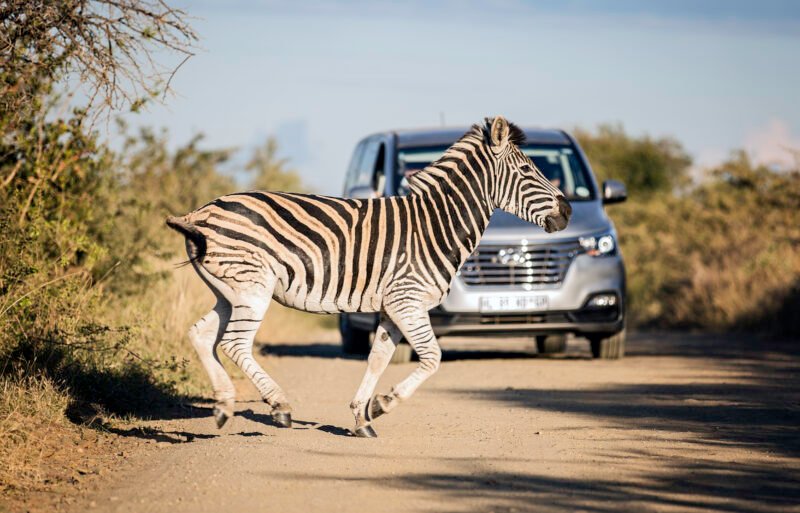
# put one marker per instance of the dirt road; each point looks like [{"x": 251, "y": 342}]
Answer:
[{"x": 685, "y": 423}]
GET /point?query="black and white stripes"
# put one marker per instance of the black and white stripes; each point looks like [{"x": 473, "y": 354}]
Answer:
[{"x": 393, "y": 255}]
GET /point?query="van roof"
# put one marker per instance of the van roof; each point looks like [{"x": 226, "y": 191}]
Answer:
[{"x": 447, "y": 136}]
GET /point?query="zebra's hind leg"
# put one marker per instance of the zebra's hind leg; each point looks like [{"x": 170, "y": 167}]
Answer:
[
  {"x": 205, "y": 335},
  {"x": 415, "y": 325},
  {"x": 386, "y": 339},
  {"x": 237, "y": 343}
]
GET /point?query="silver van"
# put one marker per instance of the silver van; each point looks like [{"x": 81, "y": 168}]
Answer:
[{"x": 520, "y": 281}]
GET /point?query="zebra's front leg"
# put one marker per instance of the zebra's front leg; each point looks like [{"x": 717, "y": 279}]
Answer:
[
  {"x": 415, "y": 326},
  {"x": 387, "y": 337}
]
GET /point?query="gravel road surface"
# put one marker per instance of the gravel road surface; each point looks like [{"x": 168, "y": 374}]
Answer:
[{"x": 684, "y": 423}]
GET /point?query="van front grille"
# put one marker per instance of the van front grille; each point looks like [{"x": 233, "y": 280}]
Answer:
[{"x": 539, "y": 266}]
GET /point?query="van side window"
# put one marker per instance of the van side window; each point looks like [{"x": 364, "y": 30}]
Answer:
[
  {"x": 354, "y": 167},
  {"x": 366, "y": 167},
  {"x": 379, "y": 173}
]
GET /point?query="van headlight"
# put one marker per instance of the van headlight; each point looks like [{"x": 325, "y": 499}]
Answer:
[{"x": 599, "y": 246}]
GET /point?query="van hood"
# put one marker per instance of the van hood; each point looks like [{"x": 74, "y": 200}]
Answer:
[{"x": 588, "y": 218}]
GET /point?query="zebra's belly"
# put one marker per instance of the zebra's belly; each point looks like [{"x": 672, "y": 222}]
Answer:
[{"x": 314, "y": 303}]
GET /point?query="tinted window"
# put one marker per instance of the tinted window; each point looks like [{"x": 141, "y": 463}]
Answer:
[
  {"x": 563, "y": 168},
  {"x": 379, "y": 174},
  {"x": 366, "y": 167},
  {"x": 352, "y": 169},
  {"x": 558, "y": 163}
]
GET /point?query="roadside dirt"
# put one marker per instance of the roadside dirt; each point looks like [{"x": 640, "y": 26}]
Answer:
[{"x": 684, "y": 423}]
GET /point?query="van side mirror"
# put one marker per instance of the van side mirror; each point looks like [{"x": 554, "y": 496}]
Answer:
[{"x": 614, "y": 192}]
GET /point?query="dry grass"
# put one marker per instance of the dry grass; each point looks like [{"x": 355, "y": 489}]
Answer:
[
  {"x": 33, "y": 421},
  {"x": 283, "y": 325},
  {"x": 722, "y": 258},
  {"x": 31, "y": 417},
  {"x": 162, "y": 316}
]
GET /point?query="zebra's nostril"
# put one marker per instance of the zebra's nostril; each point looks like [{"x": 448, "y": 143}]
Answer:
[{"x": 564, "y": 207}]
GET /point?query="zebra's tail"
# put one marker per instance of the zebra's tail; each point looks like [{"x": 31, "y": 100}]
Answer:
[{"x": 195, "y": 240}]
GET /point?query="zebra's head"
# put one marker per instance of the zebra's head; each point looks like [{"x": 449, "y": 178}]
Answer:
[{"x": 520, "y": 188}]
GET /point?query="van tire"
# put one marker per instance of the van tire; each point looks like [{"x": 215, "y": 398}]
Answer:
[
  {"x": 608, "y": 347},
  {"x": 354, "y": 340},
  {"x": 550, "y": 344}
]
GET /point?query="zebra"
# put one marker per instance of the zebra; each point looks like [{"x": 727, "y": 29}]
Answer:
[{"x": 392, "y": 255}]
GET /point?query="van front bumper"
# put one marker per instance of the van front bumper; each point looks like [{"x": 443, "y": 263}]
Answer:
[
  {"x": 580, "y": 322},
  {"x": 567, "y": 311}
]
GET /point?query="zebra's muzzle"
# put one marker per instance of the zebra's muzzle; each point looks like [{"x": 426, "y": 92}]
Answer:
[{"x": 558, "y": 222}]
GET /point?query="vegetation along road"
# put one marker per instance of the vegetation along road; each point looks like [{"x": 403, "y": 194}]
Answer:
[
  {"x": 94, "y": 315},
  {"x": 685, "y": 423}
]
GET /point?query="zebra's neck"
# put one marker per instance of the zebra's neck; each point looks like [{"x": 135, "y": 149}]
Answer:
[{"x": 455, "y": 191}]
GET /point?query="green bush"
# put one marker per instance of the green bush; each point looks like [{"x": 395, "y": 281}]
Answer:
[
  {"x": 93, "y": 315},
  {"x": 644, "y": 164},
  {"x": 722, "y": 256}
]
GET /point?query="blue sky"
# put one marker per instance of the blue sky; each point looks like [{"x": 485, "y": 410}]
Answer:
[{"x": 717, "y": 75}]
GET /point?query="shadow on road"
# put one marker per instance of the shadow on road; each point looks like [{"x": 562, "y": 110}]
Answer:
[
  {"x": 159, "y": 435},
  {"x": 757, "y": 405},
  {"x": 734, "y": 488},
  {"x": 334, "y": 350},
  {"x": 266, "y": 419},
  {"x": 677, "y": 484},
  {"x": 749, "y": 415},
  {"x": 318, "y": 350},
  {"x": 718, "y": 346}
]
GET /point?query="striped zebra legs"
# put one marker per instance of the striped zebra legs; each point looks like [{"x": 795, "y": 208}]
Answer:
[
  {"x": 387, "y": 337},
  {"x": 415, "y": 325},
  {"x": 235, "y": 322},
  {"x": 205, "y": 335},
  {"x": 237, "y": 344}
]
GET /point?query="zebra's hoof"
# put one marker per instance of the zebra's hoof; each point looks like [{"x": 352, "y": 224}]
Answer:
[
  {"x": 366, "y": 432},
  {"x": 375, "y": 409},
  {"x": 283, "y": 419},
  {"x": 220, "y": 416}
]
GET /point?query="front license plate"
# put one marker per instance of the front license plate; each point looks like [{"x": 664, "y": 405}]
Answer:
[{"x": 514, "y": 303}]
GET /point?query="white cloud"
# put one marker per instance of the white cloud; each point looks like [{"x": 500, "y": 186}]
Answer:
[
  {"x": 710, "y": 157},
  {"x": 706, "y": 159},
  {"x": 773, "y": 145}
]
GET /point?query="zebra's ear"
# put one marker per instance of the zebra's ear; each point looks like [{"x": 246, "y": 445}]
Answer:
[{"x": 499, "y": 132}]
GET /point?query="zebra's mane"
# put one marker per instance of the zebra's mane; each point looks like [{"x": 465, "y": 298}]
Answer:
[{"x": 516, "y": 136}]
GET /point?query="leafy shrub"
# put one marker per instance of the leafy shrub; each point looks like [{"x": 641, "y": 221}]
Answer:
[
  {"x": 723, "y": 256},
  {"x": 644, "y": 164}
]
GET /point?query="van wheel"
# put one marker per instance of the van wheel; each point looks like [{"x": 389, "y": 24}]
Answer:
[
  {"x": 608, "y": 348},
  {"x": 354, "y": 340},
  {"x": 549, "y": 344},
  {"x": 402, "y": 353}
]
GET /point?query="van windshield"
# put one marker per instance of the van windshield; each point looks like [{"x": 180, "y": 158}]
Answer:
[{"x": 558, "y": 163}]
